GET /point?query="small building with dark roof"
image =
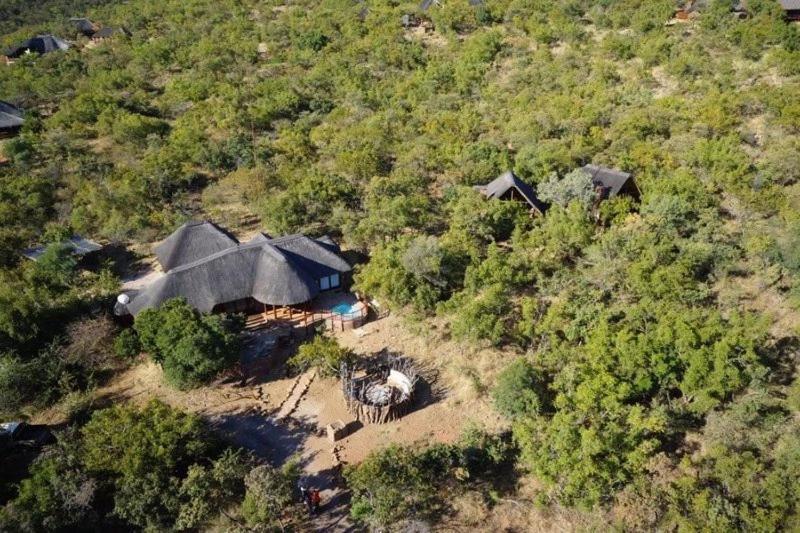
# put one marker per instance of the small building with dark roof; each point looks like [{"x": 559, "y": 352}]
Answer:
[
  {"x": 85, "y": 27},
  {"x": 508, "y": 186},
  {"x": 11, "y": 119},
  {"x": 609, "y": 182},
  {"x": 791, "y": 9},
  {"x": 80, "y": 247},
  {"x": 107, "y": 32},
  {"x": 214, "y": 272},
  {"x": 41, "y": 44}
]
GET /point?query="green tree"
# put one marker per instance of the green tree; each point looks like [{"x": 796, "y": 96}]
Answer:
[
  {"x": 192, "y": 348},
  {"x": 575, "y": 186},
  {"x": 270, "y": 492},
  {"x": 521, "y": 390},
  {"x": 323, "y": 353},
  {"x": 147, "y": 460}
]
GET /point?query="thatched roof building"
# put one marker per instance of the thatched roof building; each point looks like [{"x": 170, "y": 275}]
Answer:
[
  {"x": 508, "y": 186},
  {"x": 41, "y": 44},
  {"x": 610, "y": 182},
  {"x": 209, "y": 268}
]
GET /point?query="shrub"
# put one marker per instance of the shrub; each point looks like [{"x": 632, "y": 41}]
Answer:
[
  {"x": 127, "y": 345},
  {"x": 192, "y": 348},
  {"x": 270, "y": 491},
  {"x": 577, "y": 185},
  {"x": 322, "y": 353},
  {"x": 520, "y": 390}
]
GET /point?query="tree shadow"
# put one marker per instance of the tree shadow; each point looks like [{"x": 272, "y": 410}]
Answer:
[
  {"x": 334, "y": 510},
  {"x": 781, "y": 359},
  {"x": 268, "y": 438}
]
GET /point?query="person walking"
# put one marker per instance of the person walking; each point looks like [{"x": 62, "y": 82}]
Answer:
[
  {"x": 315, "y": 500},
  {"x": 305, "y": 496}
]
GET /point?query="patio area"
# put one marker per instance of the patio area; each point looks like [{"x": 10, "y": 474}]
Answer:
[{"x": 337, "y": 311}]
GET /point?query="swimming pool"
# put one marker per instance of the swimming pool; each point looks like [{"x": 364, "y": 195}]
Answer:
[{"x": 345, "y": 308}]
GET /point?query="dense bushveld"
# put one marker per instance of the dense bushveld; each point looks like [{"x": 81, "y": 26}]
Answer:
[{"x": 643, "y": 385}]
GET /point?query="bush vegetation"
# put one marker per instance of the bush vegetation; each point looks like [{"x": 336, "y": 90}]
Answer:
[
  {"x": 191, "y": 347},
  {"x": 636, "y": 329},
  {"x": 144, "y": 468}
]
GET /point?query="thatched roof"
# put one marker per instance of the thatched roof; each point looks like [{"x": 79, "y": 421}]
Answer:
[
  {"x": 41, "y": 44},
  {"x": 10, "y": 116},
  {"x": 193, "y": 241},
  {"x": 282, "y": 271},
  {"x": 508, "y": 181},
  {"x": 612, "y": 181},
  {"x": 80, "y": 246}
]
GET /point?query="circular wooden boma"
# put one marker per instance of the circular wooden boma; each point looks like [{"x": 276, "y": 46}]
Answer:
[{"x": 379, "y": 390}]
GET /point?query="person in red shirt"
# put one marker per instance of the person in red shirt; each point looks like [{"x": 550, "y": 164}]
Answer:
[{"x": 315, "y": 500}]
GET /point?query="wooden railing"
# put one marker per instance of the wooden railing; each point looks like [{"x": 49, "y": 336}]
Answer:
[{"x": 301, "y": 318}]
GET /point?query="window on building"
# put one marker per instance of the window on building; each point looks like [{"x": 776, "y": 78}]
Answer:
[
  {"x": 325, "y": 283},
  {"x": 334, "y": 281}
]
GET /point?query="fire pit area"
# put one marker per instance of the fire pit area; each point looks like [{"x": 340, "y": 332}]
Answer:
[{"x": 379, "y": 390}]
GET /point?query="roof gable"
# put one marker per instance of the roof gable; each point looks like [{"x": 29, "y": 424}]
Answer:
[
  {"x": 611, "y": 180},
  {"x": 508, "y": 181},
  {"x": 10, "y": 116}
]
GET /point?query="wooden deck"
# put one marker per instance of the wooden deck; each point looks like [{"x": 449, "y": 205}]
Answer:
[{"x": 299, "y": 318}]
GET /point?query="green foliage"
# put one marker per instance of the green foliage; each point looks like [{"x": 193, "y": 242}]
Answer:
[
  {"x": 575, "y": 186},
  {"x": 150, "y": 468},
  {"x": 322, "y": 353},
  {"x": 58, "y": 495},
  {"x": 146, "y": 460},
  {"x": 520, "y": 390},
  {"x": 192, "y": 348},
  {"x": 408, "y": 482},
  {"x": 127, "y": 345},
  {"x": 270, "y": 492},
  {"x": 396, "y": 483},
  {"x": 317, "y": 119}
]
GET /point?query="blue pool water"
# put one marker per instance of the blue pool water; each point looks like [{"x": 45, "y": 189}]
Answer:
[{"x": 344, "y": 309}]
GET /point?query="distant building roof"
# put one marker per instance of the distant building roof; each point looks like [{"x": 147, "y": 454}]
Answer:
[
  {"x": 790, "y": 5},
  {"x": 79, "y": 245},
  {"x": 108, "y": 31},
  {"x": 611, "y": 180},
  {"x": 10, "y": 116},
  {"x": 282, "y": 271},
  {"x": 507, "y": 182},
  {"x": 41, "y": 44},
  {"x": 84, "y": 26},
  {"x": 192, "y": 241}
]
